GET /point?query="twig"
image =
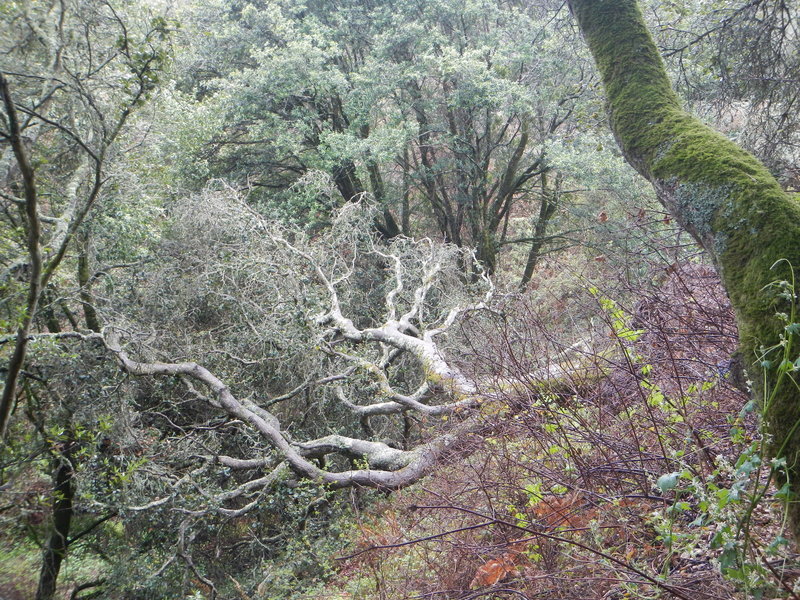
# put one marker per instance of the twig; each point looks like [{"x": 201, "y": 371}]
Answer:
[{"x": 556, "y": 538}]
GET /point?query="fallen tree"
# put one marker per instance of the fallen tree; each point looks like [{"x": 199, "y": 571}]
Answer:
[{"x": 422, "y": 294}]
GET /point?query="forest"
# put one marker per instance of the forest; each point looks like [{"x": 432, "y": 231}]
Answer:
[{"x": 399, "y": 299}]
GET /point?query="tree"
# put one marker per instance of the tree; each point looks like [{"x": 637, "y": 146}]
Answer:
[
  {"x": 376, "y": 361},
  {"x": 437, "y": 111},
  {"x": 71, "y": 78},
  {"x": 726, "y": 199},
  {"x": 322, "y": 359},
  {"x": 66, "y": 99},
  {"x": 483, "y": 117},
  {"x": 742, "y": 55}
]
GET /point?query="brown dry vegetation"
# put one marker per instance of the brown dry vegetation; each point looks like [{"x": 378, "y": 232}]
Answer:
[{"x": 560, "y": 496}]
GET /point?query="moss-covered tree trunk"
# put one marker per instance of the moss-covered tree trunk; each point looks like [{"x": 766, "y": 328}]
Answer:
[{"x": 721, "y": 194}]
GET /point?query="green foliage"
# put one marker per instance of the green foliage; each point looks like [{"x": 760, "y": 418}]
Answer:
[
  {"x": 427, "y": 111},
  {"x": 431, "y": 111},
  {"x": 733, "y": 493}
]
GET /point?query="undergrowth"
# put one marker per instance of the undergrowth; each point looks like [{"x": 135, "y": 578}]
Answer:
[
  {"x": 617, "y": 459},
  {"x": 628, "y": 465}
]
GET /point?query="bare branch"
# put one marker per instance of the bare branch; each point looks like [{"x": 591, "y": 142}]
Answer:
[
  {"x": 308, "y": 384},
  {"x": 254, "y": 485},
  {"x": 410, "y": 465}
]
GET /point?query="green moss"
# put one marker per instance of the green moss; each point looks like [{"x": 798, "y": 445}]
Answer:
[
  {"x": 699, "y": 201},
  {"x": 723, "y": 195}
]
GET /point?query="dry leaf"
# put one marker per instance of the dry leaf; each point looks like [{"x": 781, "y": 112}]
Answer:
[{"x": 495, "y": 570}]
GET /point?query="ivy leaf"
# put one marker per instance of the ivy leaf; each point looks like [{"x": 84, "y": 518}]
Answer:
[
  {"x": 667, "y": 482},
  {"x": 775, "y": 545}
]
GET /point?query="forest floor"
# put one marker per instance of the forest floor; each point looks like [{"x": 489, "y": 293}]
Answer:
[
  {"x": 637, "y": 471},
  {"x": 628, "y": 464}
]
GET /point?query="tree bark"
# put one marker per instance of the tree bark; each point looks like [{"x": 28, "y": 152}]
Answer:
[
  {"x": 722, "y": 195},
  {"x": 547, "y": 210},
  {"x": 85, "y": 283},
  {"x": 56, "y": 549},
  {"x": 32, "y": 226}
]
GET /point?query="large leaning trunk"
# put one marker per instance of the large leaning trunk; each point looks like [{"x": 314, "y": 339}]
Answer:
[{"x": 721, "y": 194}]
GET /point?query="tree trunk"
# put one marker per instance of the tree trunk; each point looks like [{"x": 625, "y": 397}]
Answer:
[
  {"x": 485, "y": 253},
  {"x": 547, "y": 208},
  {"x": 718, "y": 192},
  {"x": 56, "y": 549},
  {"x": 85, "y": 283},
  {"x": 33, "y": 230}
]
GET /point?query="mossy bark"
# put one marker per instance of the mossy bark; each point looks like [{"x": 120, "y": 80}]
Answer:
[{"x": 721, "y": 194}]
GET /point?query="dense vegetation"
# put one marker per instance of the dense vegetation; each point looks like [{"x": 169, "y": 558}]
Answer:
[{"x": 312, "y": 299}]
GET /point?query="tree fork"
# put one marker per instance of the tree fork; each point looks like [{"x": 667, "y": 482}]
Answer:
[{"x": 718, "y": 192}]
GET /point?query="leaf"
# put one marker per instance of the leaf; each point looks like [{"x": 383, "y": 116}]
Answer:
[
  {"x": 495, "y": 570},
  {"x": 748, "y": 408},
  {"x": 784, "y": 493},
  {"x": 568, "y": 511},
  {"x": 667, "y": 482},
  {"x": 728, "y": 559}
]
